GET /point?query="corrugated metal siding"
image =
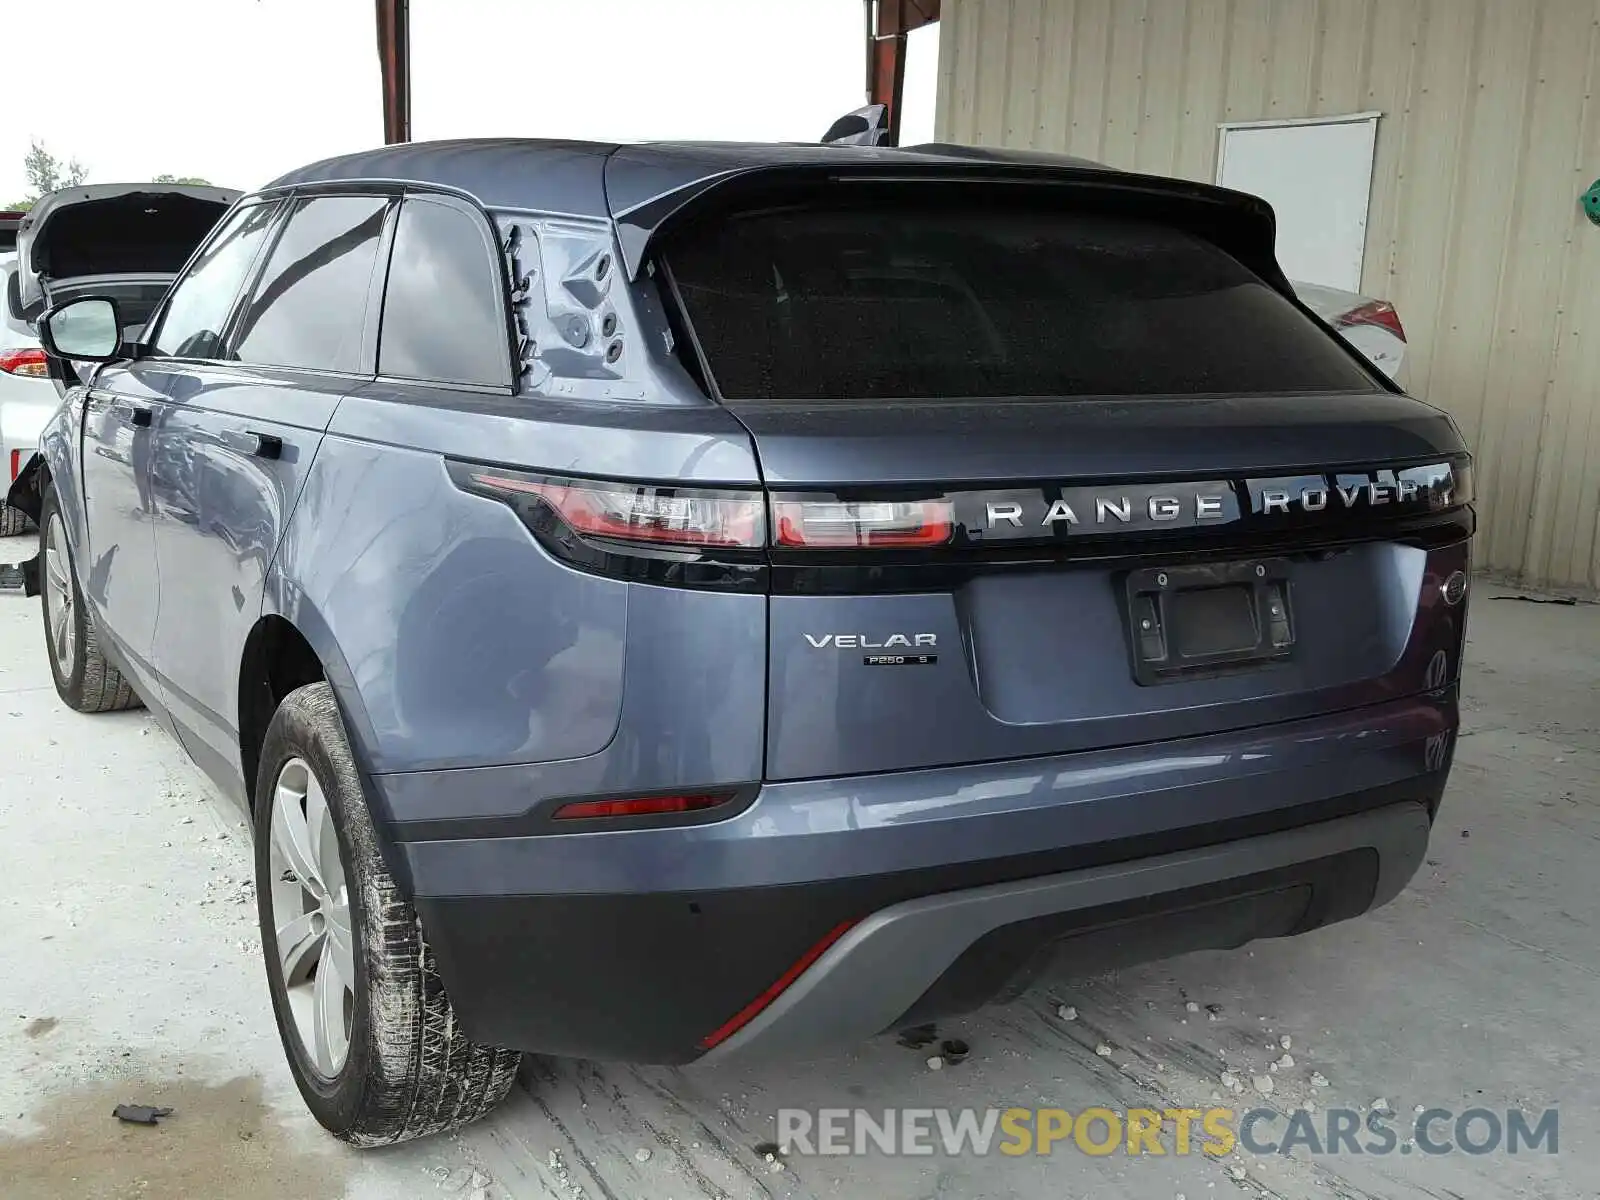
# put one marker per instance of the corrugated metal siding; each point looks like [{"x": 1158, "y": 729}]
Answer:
[{"x": 1490, "y": 132}]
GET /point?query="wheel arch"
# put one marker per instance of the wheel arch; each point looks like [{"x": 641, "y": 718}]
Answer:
[
  {"x": 276, "y": 660},
  {"x": 26, "y": 492},
  {"x": 282, "y": 653}
]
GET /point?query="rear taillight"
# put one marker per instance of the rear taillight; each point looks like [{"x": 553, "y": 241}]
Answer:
[
  {"x": 16, "y": 464},
  {"x": 827, "y": 523},
  {"x": 711, "y": 521},
  {"x": 643, "y": 806},
  {"x": 629, "y": 512},
  {"x": 29, "y": 362},
  {"x": 1375, "y": 312}
]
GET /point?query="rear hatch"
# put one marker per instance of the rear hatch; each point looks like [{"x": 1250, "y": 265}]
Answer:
[
  {"x": 123, "y": 240},
  {"x": 1052, "y": 469}
]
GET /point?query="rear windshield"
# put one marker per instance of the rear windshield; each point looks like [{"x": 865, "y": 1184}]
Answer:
[{"x": 847, "y": 304}]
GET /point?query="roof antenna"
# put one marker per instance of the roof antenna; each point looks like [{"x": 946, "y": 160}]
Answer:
[{"x": 867, "y": 126}]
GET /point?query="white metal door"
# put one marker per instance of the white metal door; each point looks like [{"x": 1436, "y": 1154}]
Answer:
[{"x": 1317, "y": 175}]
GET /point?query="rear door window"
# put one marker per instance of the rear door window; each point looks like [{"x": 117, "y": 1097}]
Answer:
[
  {"x": 442, "y": 316},
  {"x": 309, "y": 306},
  {"x": 900, "y": 302},
  {"x": 200, "y": 302}
]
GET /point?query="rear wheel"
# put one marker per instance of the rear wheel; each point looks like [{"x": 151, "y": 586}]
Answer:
[
  {"x": 83, "y": 677},
  {"x": 13, "y": 521},
  {"x": 370, "y": 1034}
]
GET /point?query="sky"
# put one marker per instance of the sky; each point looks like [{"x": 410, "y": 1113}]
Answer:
[{"x": 239, "y": 91}]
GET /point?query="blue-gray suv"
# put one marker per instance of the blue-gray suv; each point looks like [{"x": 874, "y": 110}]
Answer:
[{"x": 682, "y": 602}]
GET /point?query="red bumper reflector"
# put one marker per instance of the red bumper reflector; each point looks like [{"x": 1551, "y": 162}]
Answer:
[
  {"x": 645, "y": 806},
  {"x": 16, "y": 464},
  {"x": 750, "y": 1011}
]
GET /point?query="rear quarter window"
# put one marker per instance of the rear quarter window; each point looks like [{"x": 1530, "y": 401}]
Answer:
[
  {"x": 442, "y": 316},
  {"x": 846, "y": 304}
]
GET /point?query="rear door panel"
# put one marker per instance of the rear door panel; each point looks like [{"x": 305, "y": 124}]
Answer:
[
  {"x": 232, "y": 448},
  {"x": 118, "y": 572}
]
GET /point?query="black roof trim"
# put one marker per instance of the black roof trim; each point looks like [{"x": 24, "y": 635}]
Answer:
[
  {"x": 643, "y": 186},
  {"x": 573, "y": 177}
]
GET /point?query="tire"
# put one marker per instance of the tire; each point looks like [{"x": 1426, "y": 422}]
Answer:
[
  {"x": 13, "y": 521},
  {"x": 407, "y": 1070},
  {"x": 82, "y": 675}
]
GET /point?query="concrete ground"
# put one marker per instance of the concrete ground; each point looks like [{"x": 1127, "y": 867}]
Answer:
[{"x": 129, "y": 971}]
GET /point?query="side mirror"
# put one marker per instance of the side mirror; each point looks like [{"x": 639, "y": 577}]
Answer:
[{"x": 86, "y": 330}]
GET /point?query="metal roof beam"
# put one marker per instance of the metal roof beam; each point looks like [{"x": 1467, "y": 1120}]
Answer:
[
  {"x": 394, "y": 61},
  {"x": 888, "y": 23}
]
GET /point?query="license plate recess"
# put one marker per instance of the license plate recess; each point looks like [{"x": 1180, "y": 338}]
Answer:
[{"x": 1208, "y": 618}]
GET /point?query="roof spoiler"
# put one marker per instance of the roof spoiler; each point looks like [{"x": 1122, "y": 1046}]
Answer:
[{"x": 1242, "y": 225}]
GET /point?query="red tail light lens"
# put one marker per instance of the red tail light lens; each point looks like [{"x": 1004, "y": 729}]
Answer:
[
  {"x": 644, "y": 806},
  {"x": 16, "y": 464},
  {"x": 752, "y": 1010},
  {"x": 1378, "y": 312},
  {"x": 630, "y": 512},
  {"x": 826, "y": 523},
  {"x": 29, "y": 362}
]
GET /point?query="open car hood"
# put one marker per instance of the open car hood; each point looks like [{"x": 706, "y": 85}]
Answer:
[{"x": 144, "y": 230}]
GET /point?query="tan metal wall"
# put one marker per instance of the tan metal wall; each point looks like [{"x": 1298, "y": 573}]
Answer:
[{"x": 1490, "y": 133}]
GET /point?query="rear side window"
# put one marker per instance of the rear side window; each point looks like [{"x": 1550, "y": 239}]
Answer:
[
  {"x": 310, "y": 305},
  {"x": 202, "y": 299},
  {"x": 939, "y": 301},
  {"x": 442, "y": 320}
]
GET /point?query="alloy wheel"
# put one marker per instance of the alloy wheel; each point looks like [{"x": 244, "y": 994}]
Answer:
[
  {"x": 310, "y": 909},
  {"x": 61, "y": 623}
]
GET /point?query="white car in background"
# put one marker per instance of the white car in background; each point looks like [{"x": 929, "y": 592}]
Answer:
[
  {"x": 144, "y": 230},
  {"x": 26, "y": 396},
  {"x": 1371, "y": 326}
]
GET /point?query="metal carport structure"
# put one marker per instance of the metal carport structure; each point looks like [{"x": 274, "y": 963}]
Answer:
[{"x": 887, "y": 24}]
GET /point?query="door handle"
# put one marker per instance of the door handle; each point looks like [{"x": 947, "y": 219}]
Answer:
[
  {"x": 263, "y": 445},
  {"x": 140, "y": 416}
]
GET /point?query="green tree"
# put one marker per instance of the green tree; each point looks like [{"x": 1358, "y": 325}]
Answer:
[
  {"x": 185, "y": 180},
  {"x": 46, "y": 172}
]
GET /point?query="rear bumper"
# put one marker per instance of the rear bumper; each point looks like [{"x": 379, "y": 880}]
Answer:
[
  {"x": 877, "y": 975},
  {"x": 956, "y": 885}
]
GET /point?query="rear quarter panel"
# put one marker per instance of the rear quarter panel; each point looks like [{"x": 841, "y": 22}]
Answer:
[{"x": 451, "y": 638}]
